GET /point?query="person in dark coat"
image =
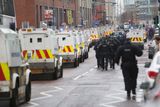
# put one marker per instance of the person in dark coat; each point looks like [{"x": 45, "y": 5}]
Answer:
[
  {"x": 151, "y": 33},
  {"x": 104, "y": 52},
  {"x": 96, "y": 48},
  {"x": 127, "y": 53},
  {"x": 113, "y": 48}
]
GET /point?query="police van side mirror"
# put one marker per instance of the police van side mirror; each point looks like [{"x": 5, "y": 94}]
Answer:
[{"x": 147, "y": 64}]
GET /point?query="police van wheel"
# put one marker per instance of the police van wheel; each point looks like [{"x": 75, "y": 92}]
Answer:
[
  {"x": 75, "y": 63},
  {"x": 28, "y": 90},
  {"x": 14, "y": 99},
  {"x": 86, "y": 56},
  {"x": 56, "y": 74},
  {"x": 61, "y": 70},
  {"x": 82, "y": 59}
]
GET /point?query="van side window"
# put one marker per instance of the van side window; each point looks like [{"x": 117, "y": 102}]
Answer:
[
  {"x": 63, "y": 38},
  {"x": 39, "y": 40},
  {"x": 31, "y": 40}
]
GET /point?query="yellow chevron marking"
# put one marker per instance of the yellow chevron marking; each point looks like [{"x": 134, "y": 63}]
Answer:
[
  {"x": 66, "y": 49},
  {"x": 42, "y": 54},
  {"x": 50, "y": 53},
  {"x": 6, "y": 71},
  {"x": 71, "y": 47}
]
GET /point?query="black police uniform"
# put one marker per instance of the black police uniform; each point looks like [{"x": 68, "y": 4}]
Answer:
[
  {"x": 128, "y": 53},
  {"x": 113, "y": 46},
  {"x": 104, "y": 51},
  {"x": 96, "y": 48}
]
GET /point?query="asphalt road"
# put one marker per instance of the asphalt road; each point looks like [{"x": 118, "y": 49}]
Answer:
[{"x": 86, "y": 86}]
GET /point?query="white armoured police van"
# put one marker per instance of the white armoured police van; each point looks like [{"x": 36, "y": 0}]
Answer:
[
  {"x": 15, "y": 76},
  {"x": 67, "y": 47},
  {"x": 40, "y": 49},
  {"x": 136, "y": 37}
]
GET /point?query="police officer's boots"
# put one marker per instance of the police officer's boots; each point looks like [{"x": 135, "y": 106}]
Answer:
[
  {"x": 134, "y": 94},
  {"x": 128, "y": 94}
]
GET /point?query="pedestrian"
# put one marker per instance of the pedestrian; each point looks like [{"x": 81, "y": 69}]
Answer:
[
  {"x": 104, "y": 51},
  {"x": 157, "y": 40},
  {"x": 127, "y": 53},
  {"x": 151, "y": 33}
]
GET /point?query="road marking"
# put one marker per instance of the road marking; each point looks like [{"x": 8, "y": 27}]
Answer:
[
  {"x": 95, "y": 66},
  {"x": 45, "y": 95},
  {"x": 116, "y": 98},
  {"x": 79, "y": 76},
  {"x": 91, "y": 70},
  {"x": 33, "y": 104}
]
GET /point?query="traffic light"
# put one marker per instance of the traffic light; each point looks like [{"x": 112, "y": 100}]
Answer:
[{"x": 156, "y": 20}]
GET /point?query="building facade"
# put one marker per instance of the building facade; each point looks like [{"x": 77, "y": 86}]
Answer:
[
  {"x": 54, "y": 12},
  {"x": 85, "y": 12},
  {"x": 98, "y": 12},
  {"x": 129, "y": 14},
  {"x": 128, "y": 2},
  {"x": 110, "y": 7},
  {"x": 7, "y": 14},
  {"x": 7, "y": 7},
  {"x": 146, "y": 10}
]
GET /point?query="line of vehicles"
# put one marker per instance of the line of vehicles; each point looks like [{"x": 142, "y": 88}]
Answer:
[
  {"x": 33, "y": 53},
  {"x": 36, "y": 53}
]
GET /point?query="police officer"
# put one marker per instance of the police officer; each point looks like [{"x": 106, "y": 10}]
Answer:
[
  {"x": 104, "y": 51},
  {"x": 113, "y": 46},
  {"x": 128, "y": 53},
  {"x": 96, "y": 48}
]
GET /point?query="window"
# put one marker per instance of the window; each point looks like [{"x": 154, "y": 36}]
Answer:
[
  {"x": 31, "y": 40},
  {"x": 7, "y": 7},
  {"x": 39, "y": 40},
  {"x": 63, "y": 38}
]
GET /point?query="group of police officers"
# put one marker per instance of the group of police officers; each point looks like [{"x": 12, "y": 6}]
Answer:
[
  {"x": 113, "y": 48},
  {"x": 106, "y": 48}
]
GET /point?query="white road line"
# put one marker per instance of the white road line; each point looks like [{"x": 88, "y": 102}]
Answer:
[
  {"x": 33, "y": 104},
  {"x": 95, "y": 66},
  {"x": 114, "y": 96},
  {"x": 85, "y": 73},
  {"x": 106, "y": 105},
  {"x": 46, "y": 94},
  {"x": 110, "y": 104},
  {"x": 91, "y": 70},
  {"x": 79, "y": 76}
]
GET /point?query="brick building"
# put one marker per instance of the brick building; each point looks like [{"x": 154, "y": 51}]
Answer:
[
  {"x": 99, "y": 13},
  {"x": 34, "y": 11}
]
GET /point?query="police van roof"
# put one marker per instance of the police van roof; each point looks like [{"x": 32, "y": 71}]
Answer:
[{"x": 7, "y": 31}]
